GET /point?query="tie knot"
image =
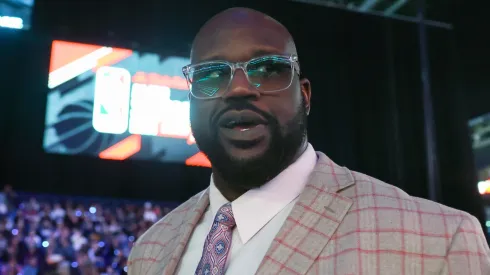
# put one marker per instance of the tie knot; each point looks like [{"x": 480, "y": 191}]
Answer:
[{"x": 225, "y": 216}]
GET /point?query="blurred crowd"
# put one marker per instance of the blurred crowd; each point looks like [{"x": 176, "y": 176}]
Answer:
[{"x": 60, "y": 236}]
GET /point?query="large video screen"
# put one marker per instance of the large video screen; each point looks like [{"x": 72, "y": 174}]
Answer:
[
  {"x": 118, "y": 104},
  {"x": 480, "y": 135},
  {"x": 16, "y": 14}
]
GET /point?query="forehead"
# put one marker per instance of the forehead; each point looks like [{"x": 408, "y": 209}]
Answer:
[{"x": 240, "y": 43}]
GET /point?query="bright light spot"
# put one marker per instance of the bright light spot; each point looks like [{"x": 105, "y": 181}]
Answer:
[
  {"x": 484, "y": 187},
  {"x": 78, "y": 213},
  {"x": 45, "y": 244},
  {"x": 126, "y": 269},
  {"x": 92, "y": 210},
  {"x": 101, "y": 244},
  {"x": 11, "y": 22},
  {"x": 15, "y": 232},
  {"x": 74, "y": 264},
  {"x": 487, "y": 223}
]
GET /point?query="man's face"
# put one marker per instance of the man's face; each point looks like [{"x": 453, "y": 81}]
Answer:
[{"x": 253, "y": 153}]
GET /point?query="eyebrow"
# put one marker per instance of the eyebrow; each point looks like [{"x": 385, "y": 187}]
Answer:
[{"x": 254, "y": 54}]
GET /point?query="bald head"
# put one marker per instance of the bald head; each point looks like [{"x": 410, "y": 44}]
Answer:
[{"x": 243, "y": 31}]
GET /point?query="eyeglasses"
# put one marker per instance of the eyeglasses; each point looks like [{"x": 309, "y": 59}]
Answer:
[{"x": 268, "y": 74}]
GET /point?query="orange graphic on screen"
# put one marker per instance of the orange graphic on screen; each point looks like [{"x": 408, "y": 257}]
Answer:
[
  {"x": 198, "y": 159},
  {"x": 123, "y": 149},
  {"x": 70, "y": 59},
  {"x": 63, "y": 53}
]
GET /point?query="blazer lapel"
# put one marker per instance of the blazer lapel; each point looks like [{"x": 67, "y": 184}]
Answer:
[
  {"x": 189, "y": 222},
  {"x": 312, "y": 221}
]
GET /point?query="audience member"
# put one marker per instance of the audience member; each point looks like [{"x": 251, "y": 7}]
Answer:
[{"x": 62, "y": 237}]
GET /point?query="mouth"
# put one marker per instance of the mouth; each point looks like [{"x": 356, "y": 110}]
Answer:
[
  {"x": 243, "y": 128},
  {"x": 240, "y": 125},
  {"x": 241, "y": 120}
]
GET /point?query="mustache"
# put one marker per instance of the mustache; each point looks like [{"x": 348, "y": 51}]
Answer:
[{"x": 240, "y": 106}]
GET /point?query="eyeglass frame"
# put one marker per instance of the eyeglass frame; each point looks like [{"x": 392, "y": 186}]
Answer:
[{"x": 292, "y": 58}]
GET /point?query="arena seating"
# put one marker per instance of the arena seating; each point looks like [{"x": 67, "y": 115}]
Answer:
[{"x": 51, "y": 234}]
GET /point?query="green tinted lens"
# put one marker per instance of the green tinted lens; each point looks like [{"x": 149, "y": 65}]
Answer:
[
  {"x": 270, "y": 73},
  {"x": 210, "y": 79}
]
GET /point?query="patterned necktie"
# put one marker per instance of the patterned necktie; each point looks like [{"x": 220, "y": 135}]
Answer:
[{"x": 217, "y": 244}]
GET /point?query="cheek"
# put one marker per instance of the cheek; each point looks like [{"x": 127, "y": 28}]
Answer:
[
  {"x": 287, "y": 107},
  {"x": 199, "y": 115}
]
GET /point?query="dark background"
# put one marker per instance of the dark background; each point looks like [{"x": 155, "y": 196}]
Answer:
[{"x": 367, "y": 95}]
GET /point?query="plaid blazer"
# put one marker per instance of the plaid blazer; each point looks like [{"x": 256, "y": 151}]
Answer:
[{"x": 344, "y": 223}]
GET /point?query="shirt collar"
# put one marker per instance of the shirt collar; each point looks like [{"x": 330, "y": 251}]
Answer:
[{"x": 258, "y": 206}]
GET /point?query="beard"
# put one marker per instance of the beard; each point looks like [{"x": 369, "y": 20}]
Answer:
[{"x": 253, "y": 172}]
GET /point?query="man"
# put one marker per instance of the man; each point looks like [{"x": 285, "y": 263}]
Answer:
[{"x": 274, "y": 205}]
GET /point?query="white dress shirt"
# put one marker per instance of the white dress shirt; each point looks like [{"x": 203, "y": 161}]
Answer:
[{"x": 259, "y": 214}]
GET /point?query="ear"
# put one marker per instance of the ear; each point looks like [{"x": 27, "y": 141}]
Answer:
[{"x": 306, "y": 92}]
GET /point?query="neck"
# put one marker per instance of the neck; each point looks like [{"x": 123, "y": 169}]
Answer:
[{"x": 232, "y": 191}]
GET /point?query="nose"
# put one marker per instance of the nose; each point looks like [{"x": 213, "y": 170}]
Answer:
[{"x": 241, "y": 88}]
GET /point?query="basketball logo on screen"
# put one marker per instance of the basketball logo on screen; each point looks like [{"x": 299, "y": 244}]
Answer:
[
  {"x": 111, "y": 100},
  {"x": 118, "y": 104}
]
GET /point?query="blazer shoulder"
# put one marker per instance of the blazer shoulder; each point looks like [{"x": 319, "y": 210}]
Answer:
[
  {"x": 368, "y": 190},
  {"x": 148, "y": 245},
  {"x": 169, "y": 221},
  {"x": 429, "y": 227}
]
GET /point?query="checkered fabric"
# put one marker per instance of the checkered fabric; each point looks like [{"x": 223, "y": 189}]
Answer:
[
  {"x": 218, "y": 243},
  {"x": 344, "y": 223}
]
